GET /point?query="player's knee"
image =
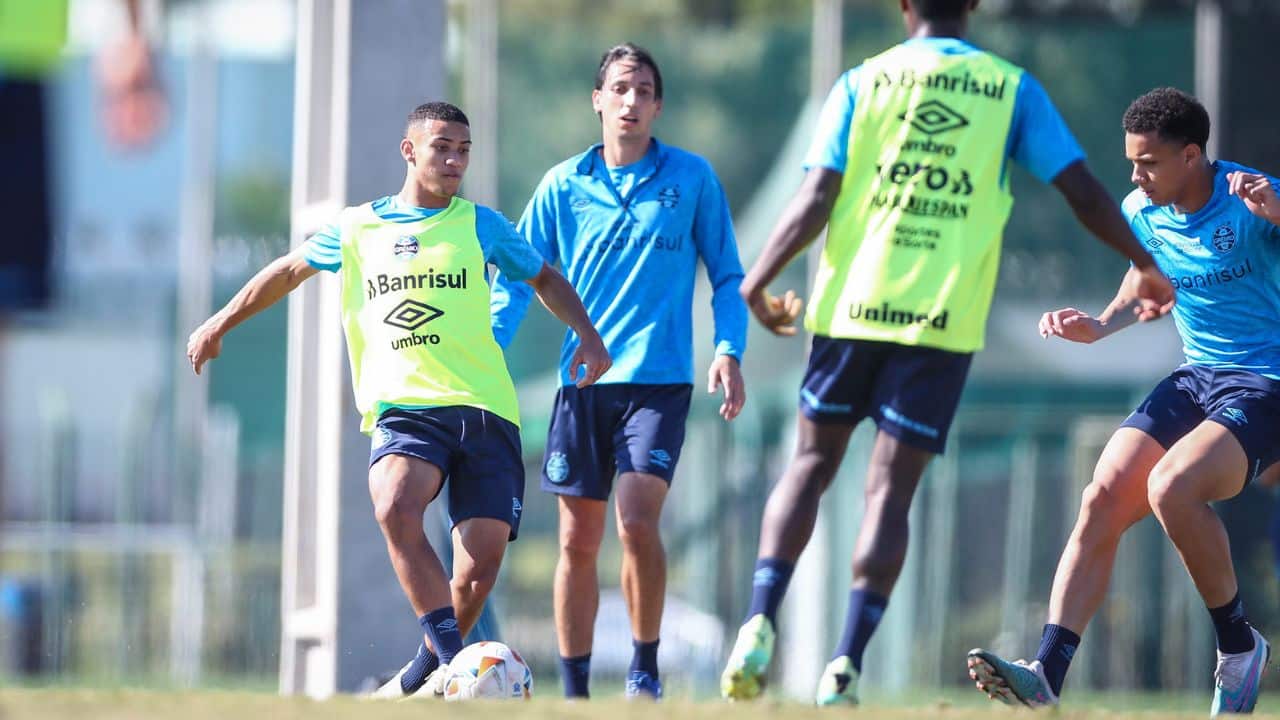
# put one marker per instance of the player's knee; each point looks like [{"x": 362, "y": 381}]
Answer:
[
  {"x": 396, "y": 516},
  {"x": 638, "y": 531},
  {"x": 579, "y": 547},
  {"x": 1100, "y": 509},
  {"x": 476, "y": 581},
  {"x": 1169, "y": 489},
  {"x": 814, "y": 469}
]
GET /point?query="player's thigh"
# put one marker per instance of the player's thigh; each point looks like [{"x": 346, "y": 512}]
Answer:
[
  {"x": 650, "y": 435},
  {"x": 915, "y": 398},
  {"x": 409, "y": 456},
  {"x": 579, "y": 457},
  {"x": 1118, "y": 489},
  {"x": 582, "y": 522},
  {"x": 1207, "y": 464},
  {"x": 479, "y": 544},
  {"x": 487, "y": 479}
]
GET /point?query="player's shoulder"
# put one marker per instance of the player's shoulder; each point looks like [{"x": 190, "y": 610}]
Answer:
[
  {"x": 1225, "y": 167},
  {"x": 680, "y": 160}
]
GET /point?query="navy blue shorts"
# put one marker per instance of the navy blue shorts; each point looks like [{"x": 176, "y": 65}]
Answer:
[
  {"x": 601, "y": 430},
  {"x": 910, "y": 392},
  {"x": 478, "y": 452},
  {"x": 1245, "y": 403}
]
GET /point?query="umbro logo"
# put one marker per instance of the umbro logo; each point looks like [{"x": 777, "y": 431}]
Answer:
[
  {"x": 933, "y": 117},
  {"x": 411, "y": 315},
  {"x": 1236, "y": 415},
  {"x": 447, "y": 625},
  {"x": 661, "y": 458}
]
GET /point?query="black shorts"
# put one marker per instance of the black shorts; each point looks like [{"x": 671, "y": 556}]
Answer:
[
  {"x": 25, "y": 251},
  {"x": 477, "y": 451},
  {"x": 601, "y": 430},
  {"x": 1245, "y": 403},
  {"x": 910, "y": 392}
]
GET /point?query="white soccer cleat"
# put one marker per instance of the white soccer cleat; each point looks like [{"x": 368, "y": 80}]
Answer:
[
  {"x": 1012, "y": 683},
  {"x": 1237, "y": 678}
]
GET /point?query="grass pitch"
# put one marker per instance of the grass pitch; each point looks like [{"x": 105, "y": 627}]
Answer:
[{"x": 125, "y": 704}]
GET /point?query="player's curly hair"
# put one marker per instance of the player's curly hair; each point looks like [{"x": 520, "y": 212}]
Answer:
[
  {"x": 436, "y": 111},
  {"x": 1171, "y": 114},
  {"x": 631, "y": 53},
  {"x": 940, "y": 9}
]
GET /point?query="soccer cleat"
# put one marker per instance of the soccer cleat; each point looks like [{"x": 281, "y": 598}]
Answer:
[
  {"x": 838, "y": 684},
  {"x": 1012, "y": 683},
  {"x": 392, "y": 689},
  {"x": 433, "y": 688},
  {"x": 744, "y": 674},
  {"x": 642, "y": 685},
  {"x": 1237, "y": 677}
]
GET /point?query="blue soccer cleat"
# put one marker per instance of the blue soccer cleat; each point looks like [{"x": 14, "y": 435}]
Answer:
[
  {"x": 641, "y": 685},
  {"x": 1237, "y": 678},
  {"x": 1012, "y": 683}
]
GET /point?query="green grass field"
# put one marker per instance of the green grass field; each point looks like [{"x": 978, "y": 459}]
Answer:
[{"x": 98, "y": 704}]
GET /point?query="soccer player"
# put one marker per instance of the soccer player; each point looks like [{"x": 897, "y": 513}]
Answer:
[
  {"x": 909, "y": 172},
  {"x": 1206, "y": 430},
  {"x": 429, "y": 379},
  {"x": 628, "y": 220}
]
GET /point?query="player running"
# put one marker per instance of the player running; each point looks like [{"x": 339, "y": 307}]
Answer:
[{"x": 909, "y": 172}]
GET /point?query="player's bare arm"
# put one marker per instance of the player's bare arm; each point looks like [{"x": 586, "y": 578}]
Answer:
[
  {"x": 1095, "y": 209},
  {"x": 261, "y": 292},
  {"x": 801, "y": 221},
  {"x": 1078, "y": 326},
  {"x": 560, "y": 298},
  {"x": 1257, "y": 193}
]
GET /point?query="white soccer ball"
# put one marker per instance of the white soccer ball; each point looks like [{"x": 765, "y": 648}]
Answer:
[{"x": 488, "y": 670}]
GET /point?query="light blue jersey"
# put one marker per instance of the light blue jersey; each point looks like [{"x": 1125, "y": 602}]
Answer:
[
  {"x": 629, "y": 240},
  {"x": 1038, "y": 137},
  {"x": 499, "y": 241},
  {"x": 1224, "y": 262}
]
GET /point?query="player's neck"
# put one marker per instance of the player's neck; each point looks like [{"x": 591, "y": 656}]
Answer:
[
  {"x": 414, "y": 195},
  {"x": 939, "y": 29},
  {"x": 1199, "y": 192},
  {"x": 618, "y": 152}
]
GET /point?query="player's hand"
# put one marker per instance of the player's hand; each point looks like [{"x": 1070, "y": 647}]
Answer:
[
  {"x": 204, "y": 345},
  {"x": 591, "y": 353},
  {"x": 724, "y": 372},
  {"x": 1070, "y": 324},
  {"x": 1257, "y": 193},
  {"x": 1151, "y": 290},
  {"x": 134, "y": 106},
  {"x": 778, "y": 315}
]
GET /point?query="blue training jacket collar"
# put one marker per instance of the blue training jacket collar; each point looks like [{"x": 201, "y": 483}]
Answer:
[{"x": 587, "y": 161}]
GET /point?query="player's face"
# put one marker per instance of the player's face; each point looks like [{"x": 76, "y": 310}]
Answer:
[
  {"x": 1161, "y": 169},
  {"x": 626, "y": 101},
  {"x": 438, "y": 152}
]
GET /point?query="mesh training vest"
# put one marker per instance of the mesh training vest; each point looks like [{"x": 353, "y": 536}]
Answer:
[
  {"x": 913, "y": 244},
  {"x": 415, "y": 307}
]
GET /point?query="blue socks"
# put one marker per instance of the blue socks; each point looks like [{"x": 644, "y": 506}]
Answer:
[
  {"x": 1234, "y": 635},
  {"x": 644, "y": 658},
  {"x": 863, "y": 616},
  {"x": 1057, "y": 647},
  {"x": 423, "y": 665},
  {"x": 768, "y": 585},
  {"x": 442, "y": 627},
  {"x": 575, "y": 672}
]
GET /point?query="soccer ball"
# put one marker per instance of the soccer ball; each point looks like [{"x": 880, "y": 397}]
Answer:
[{"x": 488, "y": 670}]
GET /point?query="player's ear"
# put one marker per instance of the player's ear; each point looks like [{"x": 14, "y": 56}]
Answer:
[
  {"x": 1191, "y": 154},
  {"x": 406, "y": 150}
]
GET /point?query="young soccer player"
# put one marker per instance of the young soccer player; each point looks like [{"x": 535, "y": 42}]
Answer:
[
  {"x": 1206, "y": 430},
  {"x": 909, "y": 172},
  {"x": 628, "y": 220},
  {"x": 429, "y": 379}
]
